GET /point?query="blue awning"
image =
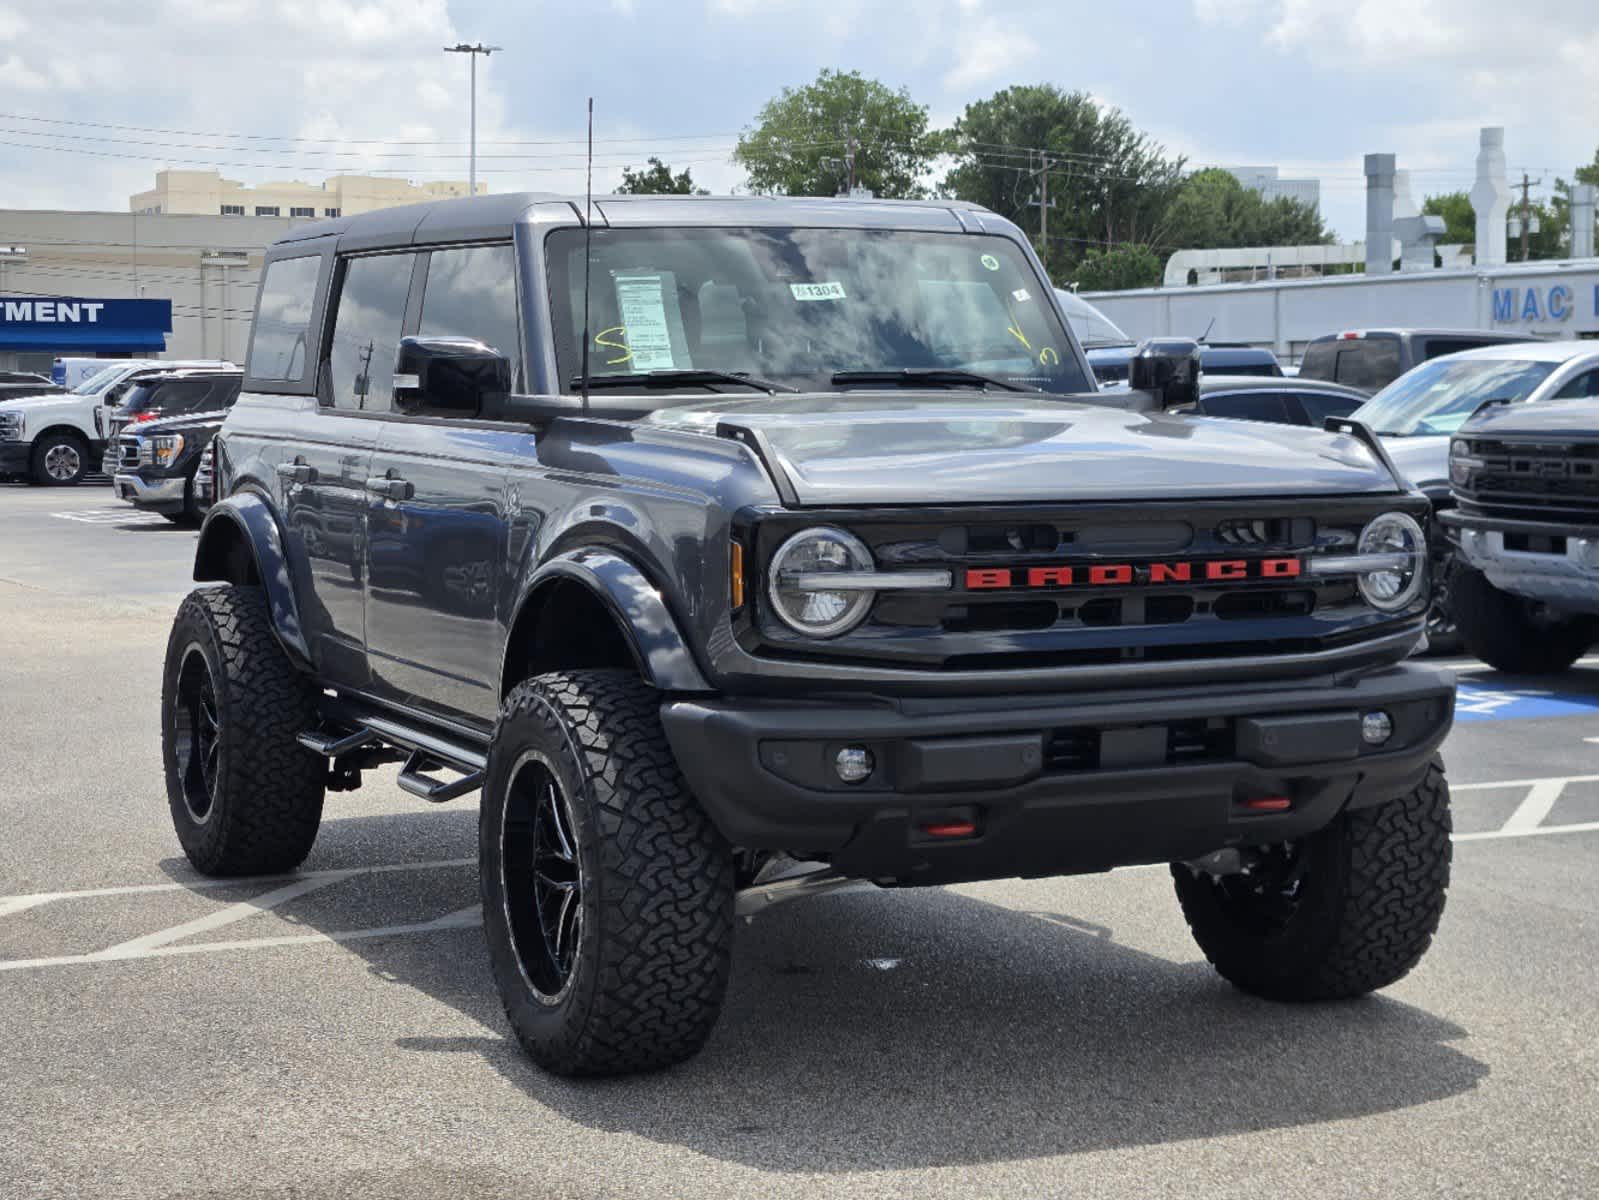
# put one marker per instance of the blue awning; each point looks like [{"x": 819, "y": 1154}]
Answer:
[{"x": 45, "y": 323}]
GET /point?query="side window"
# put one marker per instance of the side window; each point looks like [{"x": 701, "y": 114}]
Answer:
[
  {"x": 283, "y": 320},
  {"x": 1319, "y": 406},
  {"x": 471, "y": 292},
  {"x": 366, "y": 331},
  {"x": 1247, "y": 406},
  {"x": 1581, "y": 387},
  {"x": 184, "y": 397},
  {"x": 1369, "y": 364}
]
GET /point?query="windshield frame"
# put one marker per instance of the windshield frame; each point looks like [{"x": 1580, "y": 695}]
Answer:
[
  {"x": 549, "y": 275},
  {"x": 1398, "y": 409}
]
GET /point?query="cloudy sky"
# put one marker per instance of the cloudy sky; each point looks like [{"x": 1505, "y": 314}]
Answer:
[{"x": 306, "y": 88}]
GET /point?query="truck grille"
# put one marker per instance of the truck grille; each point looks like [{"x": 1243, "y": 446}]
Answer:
[
  {"x": 1534, "y": 479},
  {"x": 1116, "y": 607},
  {"x": 128, "y": 457}
]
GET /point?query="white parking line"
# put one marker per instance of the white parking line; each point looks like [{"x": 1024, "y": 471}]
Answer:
[
  {"x": 137, "y": 947},
  {"x": 110, "y": 516},
  {"x": 1539, "y": 802},
  {"x": 1491, "y": 835}
]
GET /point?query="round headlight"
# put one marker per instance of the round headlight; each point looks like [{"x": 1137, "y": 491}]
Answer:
[
  {"x": 1394, "y": 588},
  {"x": 798, "y": 587}
]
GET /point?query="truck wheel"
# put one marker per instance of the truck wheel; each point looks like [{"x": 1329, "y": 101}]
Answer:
[
  {"x": 607, "y": 892},
  {"x": 246, "y": 798},
  {"x": 1512, "y": 633},
  {"x": 60, "y": 459},
  {"x": 1340, "y": 913}
]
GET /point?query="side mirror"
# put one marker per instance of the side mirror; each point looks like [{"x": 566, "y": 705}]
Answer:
[
  {"x": 1168, "y": 369},
  {"x": 449, "y": 376}
]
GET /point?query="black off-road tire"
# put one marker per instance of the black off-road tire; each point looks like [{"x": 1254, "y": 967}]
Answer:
[
  {"x": 52, "y": 441},
  {"x": 651, "y": 939},
  {"x": 1505, "y": 632},
  {"x": 1365, "y": 911},
  {"x": 260, "y": 812}
]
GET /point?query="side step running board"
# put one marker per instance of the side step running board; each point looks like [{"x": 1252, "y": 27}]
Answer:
[{"x": 425, "y": 751}]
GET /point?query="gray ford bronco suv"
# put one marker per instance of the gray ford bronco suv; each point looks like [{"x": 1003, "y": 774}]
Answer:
[{"x": 738, "y": 549}]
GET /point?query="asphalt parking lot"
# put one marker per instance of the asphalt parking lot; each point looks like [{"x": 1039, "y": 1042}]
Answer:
[{"x": 337, "y": 1034}]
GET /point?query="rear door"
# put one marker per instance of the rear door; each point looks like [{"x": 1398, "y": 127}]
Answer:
[
  {"x": 439, "y": 585},
  {"x": 324, "y": 472}
]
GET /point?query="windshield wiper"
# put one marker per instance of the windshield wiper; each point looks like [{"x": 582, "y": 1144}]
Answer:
[
  {"x": 676, "y": 378},
  {"x": 916, "y": 376}
]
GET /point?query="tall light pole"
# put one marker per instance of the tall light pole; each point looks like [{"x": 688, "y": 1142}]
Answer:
[{"x": 473, "y": 51}]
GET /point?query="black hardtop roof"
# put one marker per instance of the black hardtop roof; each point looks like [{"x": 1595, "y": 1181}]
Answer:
[{"x": 476, "y": 218}]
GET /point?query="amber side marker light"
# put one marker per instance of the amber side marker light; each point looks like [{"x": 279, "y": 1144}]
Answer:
[{"x": 736, "y": 575}]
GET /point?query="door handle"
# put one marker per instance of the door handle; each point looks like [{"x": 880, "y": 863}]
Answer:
[
  {"x": 296, "y": 472},
  {"x": 390, "y": 488}
]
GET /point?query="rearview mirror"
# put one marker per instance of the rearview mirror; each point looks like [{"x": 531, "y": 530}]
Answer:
[
  {"x": 1167, "y": 369},
  {"x": 449, "y": 376}
]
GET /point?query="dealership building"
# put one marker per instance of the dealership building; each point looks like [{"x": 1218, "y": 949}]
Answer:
[{"x": 173, "y": 278}]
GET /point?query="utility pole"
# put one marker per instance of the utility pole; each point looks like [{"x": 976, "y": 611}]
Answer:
[
  {"x": 1525, "y": 221},
  {"x": 851, "y": 145},
  {"x": 1043, "y": 200},
  {"x": 472, "y": 52}
]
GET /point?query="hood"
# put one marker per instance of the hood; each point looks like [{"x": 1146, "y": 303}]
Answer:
[
  {"x": 944, "y": 448},
  {"x": 1424, "y": 461},
  {"x": 49, "y": 400},
  {"x": 1552, "y": 418}
]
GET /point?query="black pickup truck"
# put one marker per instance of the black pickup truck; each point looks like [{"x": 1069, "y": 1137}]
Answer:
[
  {"x": 1526, "y": 484},
  {"x": 740, "y": 549}
]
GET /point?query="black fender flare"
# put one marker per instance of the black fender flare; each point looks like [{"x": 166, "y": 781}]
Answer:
[
  {"x": 635, "y": 604},
  {"x": 246, "y": 516}
]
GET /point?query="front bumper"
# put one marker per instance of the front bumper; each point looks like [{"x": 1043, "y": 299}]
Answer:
[
  {"x": 15, "y": 458},
  {"x": 1555, "y": 562},
  {"x": 1053, "y": 785},
  {"x": 164, "y": 495}
]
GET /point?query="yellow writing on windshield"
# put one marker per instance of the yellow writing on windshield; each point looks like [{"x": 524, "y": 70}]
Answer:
[{"x": 620, "y": 331}]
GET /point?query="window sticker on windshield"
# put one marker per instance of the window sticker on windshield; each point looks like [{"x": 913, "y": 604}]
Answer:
[
  {"x": 642, "y": 302},
  {"x": 817, "y": 291},
  {"x": 1021, "y": 296},
  {"x": 990, "y": 263}
]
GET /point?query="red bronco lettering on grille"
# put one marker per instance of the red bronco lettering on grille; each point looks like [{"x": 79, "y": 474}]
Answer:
[{"x": 1098, "y": 575}]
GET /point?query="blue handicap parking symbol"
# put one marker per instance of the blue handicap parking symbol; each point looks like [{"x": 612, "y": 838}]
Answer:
[{"x": 1475, "y": 703}]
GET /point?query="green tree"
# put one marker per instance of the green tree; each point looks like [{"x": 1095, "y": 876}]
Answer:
[
  {"x": 1589, "y": 173},
  {"x": 1108, "y": 183},
  {"x": 802, "y": 139},
  {"x": 656, "y": 179},
  {"x": 1118, "y": 269},
  {"x": 1212, "y": 209},
  {"x": 1460, "y": 219}
]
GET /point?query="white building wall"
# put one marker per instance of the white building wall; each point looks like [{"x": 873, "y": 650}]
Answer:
[{"x": 1285, "y": 314}]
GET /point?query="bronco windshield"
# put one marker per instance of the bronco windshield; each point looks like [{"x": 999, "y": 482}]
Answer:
[
  {"x": 797, "y": 306},
  {"x": 1438, "y": 396}
]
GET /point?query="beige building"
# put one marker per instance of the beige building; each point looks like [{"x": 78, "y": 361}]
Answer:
[
  {"x": 206, "y": 193},
  {"x": 206, "y": 267}
]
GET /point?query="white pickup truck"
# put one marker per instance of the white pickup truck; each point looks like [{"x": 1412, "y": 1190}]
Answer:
[{"x": 56, "y": 440}]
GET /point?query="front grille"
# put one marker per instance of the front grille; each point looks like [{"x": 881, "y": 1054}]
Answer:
[
  {"x": 205, "y": 475},
  {"x": 1141, "y": 586},
  {"x": 1534, "y": 479},
  {"x": 128, "y": 456}
]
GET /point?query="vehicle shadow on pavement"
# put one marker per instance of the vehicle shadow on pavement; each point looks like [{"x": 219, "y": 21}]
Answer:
[
  {"x": 878, "y": 1031},
  {"x": 875, "y": 1030}
]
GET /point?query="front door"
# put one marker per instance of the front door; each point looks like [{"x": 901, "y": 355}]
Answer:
[{"x": 440, "y": 579}]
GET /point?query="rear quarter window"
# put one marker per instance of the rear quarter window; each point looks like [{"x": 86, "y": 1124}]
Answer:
[{"x": 280, "y": 340}]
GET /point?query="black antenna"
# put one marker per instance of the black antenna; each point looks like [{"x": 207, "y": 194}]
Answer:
[
  {"x": 588, "y": 243},
  {"x": 1208, "y": 328}
]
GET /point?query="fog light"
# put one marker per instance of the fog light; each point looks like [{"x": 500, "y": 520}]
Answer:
[
  {"x": 1376, "y": 728},
  {"x": 853, "y": 763}
]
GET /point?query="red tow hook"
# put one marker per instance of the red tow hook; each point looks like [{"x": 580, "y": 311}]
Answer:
[
  {"x": 951, "y": 829},
  {"x": 1266, "y": 803}
]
